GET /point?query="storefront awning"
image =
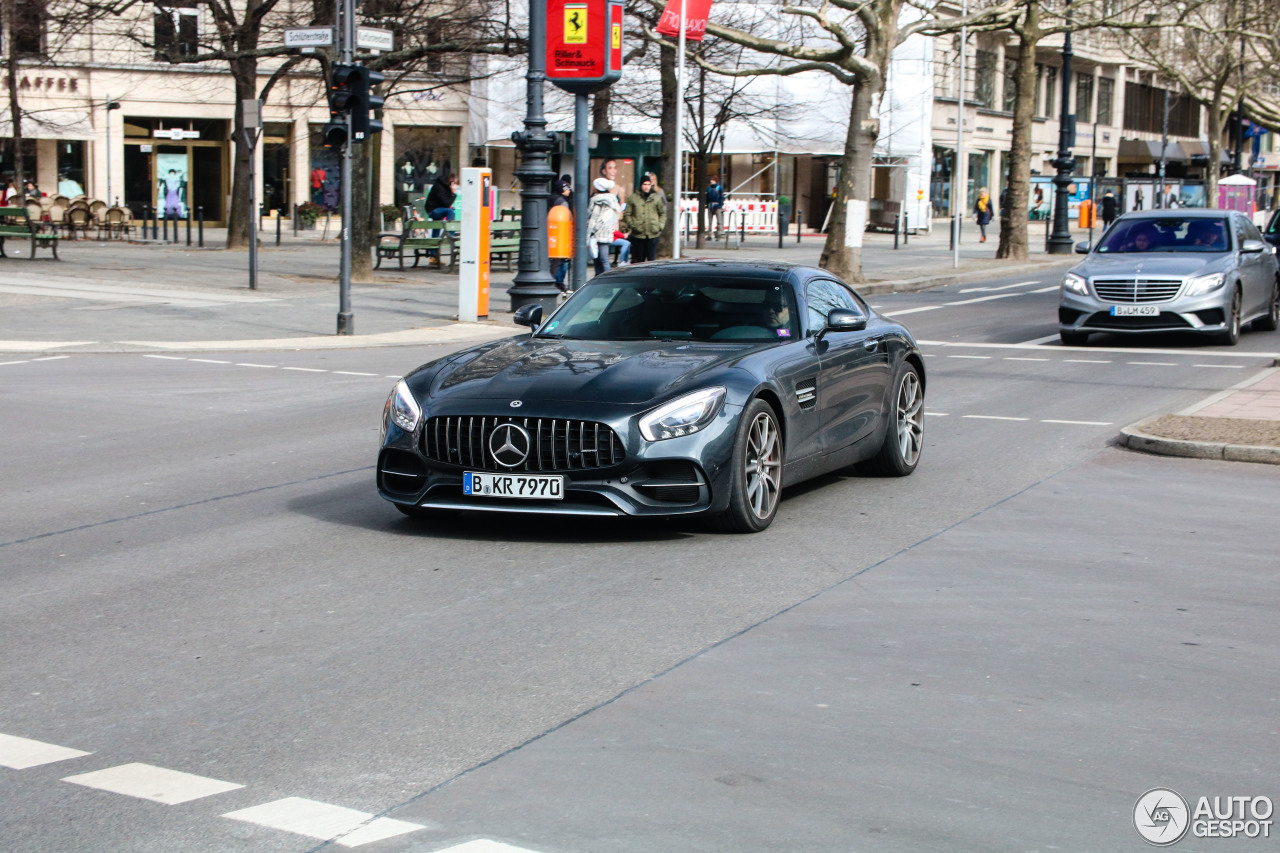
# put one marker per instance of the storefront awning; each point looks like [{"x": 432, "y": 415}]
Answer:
[
  {"x": 1148, "y": 151},
  {"x": 51, "y": 124}
]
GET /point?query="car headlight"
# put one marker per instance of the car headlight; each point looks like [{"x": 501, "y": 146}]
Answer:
[
  {"x": 1073, "y": 283},
  {"x": 1203, "y": 284},
  {"x": 683, "y": 415},
  {"x": 402, "y": 409}
]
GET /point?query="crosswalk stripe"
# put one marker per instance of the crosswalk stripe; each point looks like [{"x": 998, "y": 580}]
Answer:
[
  {"x": 157, "y": 784},
  {"x": 484, "y": 845},
  {"x": 19, "y": 753},
  {"x": 347, "y": 827}
]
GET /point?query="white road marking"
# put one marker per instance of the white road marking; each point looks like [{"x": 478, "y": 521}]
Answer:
[
  {"x": 1156, "y": 363},
  {"x": 24, "y": 361},
  {"x": 1001, "y": 287},
  {"x": 209, "y": 361},
  {"x": 1086, "y": 361},
  {"x": 484, "y": 845},
  {"x": 983, "y": 299},
  {"x": 157, "y": 784},
  {"x": 306, "y": 369},
  {"x": 51, "y": 358},
  {"x": 1022, "y": 358},
  {"x": 1038, "y": 341},
  {"x": 1234, "y": 353},
  {"x": 350, "y": 828},
  {"x": 168, "y": 357},
  {"x": 251, "y": 364},
  {"x": 935, "y": 414},
  {"x": 354, "y": 373},
  {"x": 1046, "y": 289},
  {"x": 1222, "y": 366},
  {"x": 19, "y": 753},
  {"x": 1076, "y": 423},
  {"x": 913, "y": 310},
  {"x": 970, "y": 356},
  {"x": 994, "y": 418}
]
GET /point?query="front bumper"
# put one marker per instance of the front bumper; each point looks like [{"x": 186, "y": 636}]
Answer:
[
  {"x": 1200, "y": 314},
  {"x": 679, "y": 476}
]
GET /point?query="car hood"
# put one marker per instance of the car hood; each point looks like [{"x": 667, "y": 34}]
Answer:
[
  {"x": 1155, "y": 264},
  {"x": 626, "y": 372}
]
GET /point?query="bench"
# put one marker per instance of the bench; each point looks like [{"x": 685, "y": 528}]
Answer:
[
  {"x": 504, "y": 241},
  {"x": 424, "y": 238},
  {"x": 15, "y": 222}
]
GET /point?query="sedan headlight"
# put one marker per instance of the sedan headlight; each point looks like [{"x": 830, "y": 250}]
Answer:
[
  {"x": 683, "y": 415},
  {"x": 402, "y": 409},
  {"x": 1073, "y": 283},
  {"x": 1203, "y": 284}
]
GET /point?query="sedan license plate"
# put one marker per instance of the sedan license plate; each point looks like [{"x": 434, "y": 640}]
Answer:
[
  {"x": 544, "y": 487},
  {"x": 1135, "y": 310}
]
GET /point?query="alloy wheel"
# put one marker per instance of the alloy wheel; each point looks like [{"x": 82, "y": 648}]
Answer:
[
  {"x": 763, "y": 466},
  {"x": 910, "y": 418}
]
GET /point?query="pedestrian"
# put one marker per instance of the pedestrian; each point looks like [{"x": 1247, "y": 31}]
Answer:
[
  {"x": 662, "y": 194},
  {"x": 715, "y": 206},
  {"x": 1137, "y": 199},
  {"x": 982, "y": 212},
  {"x": 31, "y": 191},
  {"x": 440, "y": 199},
  {"x": 602, "y": 221},
  {"x": 1108, "y": 208},
  {"x": 644, "y": 221},
  {"x": 562, "y": 197},
  {"x": 566, "y": 181},
  {"x": 10, "y": 191}
]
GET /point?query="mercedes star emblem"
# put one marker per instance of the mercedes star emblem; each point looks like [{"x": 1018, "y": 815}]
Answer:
[
  {"x": 509, "y": 445},
  {"x": 515, "y": 404}
]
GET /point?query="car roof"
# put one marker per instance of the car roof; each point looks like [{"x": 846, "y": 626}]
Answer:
[
  {"x": 717, "y": 267},
  {"x": 1179, "y": 213}
]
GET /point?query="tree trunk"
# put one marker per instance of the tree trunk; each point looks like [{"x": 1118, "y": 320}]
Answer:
[
  {"x": 854, "y": 184},
  {"x": 1013, "y": 213},
  {"x": 245, "y": 74},
  {"x": 1217, "y": 120},
  {"x": 361, "y": 234},
  {"x": 670, "y": 163},
  {"x": 600, "y": 102}
]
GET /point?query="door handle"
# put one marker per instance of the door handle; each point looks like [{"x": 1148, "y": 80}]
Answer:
[{"x": 870, "y": 344}]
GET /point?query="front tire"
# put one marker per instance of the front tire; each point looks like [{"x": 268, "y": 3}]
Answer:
[
  {"x": 1271, "y": 321},
  {"x": 755, "y": 472},
  {"x": 1231, "y": 336},
  {"x": 904, "y": 436}
]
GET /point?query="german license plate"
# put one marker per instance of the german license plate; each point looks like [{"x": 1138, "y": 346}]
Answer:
[
  {"x": 540, "y": 487},
  {"x": 1135, "y": 310}
]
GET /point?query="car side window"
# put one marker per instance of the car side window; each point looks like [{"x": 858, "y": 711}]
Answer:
[
  {"x": 823, "y": 296},
  {"x": 1237, "y": 225},
  {"x": 1251, "y": 231}
]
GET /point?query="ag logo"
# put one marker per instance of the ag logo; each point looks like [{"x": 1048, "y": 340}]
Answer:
[
  {"x": 1161, "y": 817},
  {"x": 509, "y": 445}
]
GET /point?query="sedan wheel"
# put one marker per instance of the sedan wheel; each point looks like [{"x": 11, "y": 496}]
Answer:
[
  {"x": 1231, "y": 336},
  {"x": 904, "y": 435},
  {"x": 755, "y": 472},
  {"x": 1271, "y": 321}
]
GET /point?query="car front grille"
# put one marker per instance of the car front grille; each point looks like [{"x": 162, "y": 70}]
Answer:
[
  {"x": 555, "y": 444},
  {"x": 1129, "y": 291}
]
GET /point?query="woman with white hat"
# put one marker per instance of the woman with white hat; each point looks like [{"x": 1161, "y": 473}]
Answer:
[{"x": 602, "y": 220}]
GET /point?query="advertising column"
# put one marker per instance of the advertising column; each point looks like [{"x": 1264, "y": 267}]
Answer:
[{"x": 473, "y": 240}]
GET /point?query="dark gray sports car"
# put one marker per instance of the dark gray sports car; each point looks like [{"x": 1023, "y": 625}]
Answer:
[{"x": 676, "y": 388}]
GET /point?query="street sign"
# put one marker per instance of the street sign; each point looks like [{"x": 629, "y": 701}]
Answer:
[
  {"x": 370, "y": 38},
  {"x": 584, "y": 44},
  {"x": 308, "y": 37}
]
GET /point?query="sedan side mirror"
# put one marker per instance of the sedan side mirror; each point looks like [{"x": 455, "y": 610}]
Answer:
[
  {"x": 529, "y": 315},
  {"x": 1082, "y": 248},
  {"x": 844, "y": 320},
  {"x": 1253, "y": 247}
]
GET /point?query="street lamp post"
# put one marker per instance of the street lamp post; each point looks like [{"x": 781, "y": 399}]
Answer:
[
  {"x": 1059, "y": 242},
  {"x": 533, "y": 281},
  {"x": 110, "y": 105}
]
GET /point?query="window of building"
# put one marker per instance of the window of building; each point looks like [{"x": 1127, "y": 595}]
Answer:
[
  {"x": 1144, "y": 108},
  {"x": 1084, "y": 98},
  {"x": 1106, "y": 98},
  {"x": 177, "y": 30},
  {"x": 71, "y": 166},
  {"x": 1050, "y": 92},
  {"x": 30, "y": 29},
  {"x": 984, "y": 78},
  {"x": 1009, "y": 98},
  {"x": 423, "y": 154},
  {"x": 1039, "y": 108}
]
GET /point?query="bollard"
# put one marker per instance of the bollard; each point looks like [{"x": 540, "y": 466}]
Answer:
[
  {"x": 155, "y": 224},
  {"x": 295, "y": 220},
  {"x": 278, "y": 227},
  {"x": 200, "y": 224},
  {"x": 166, "y": 225},
  {"x": 188, "y": 226},
  {"x": 146, "y": 215},
  {"x": 742, "y": 231},
  {"x": 906, "y": 231},
  {"x": 897, "y": 222},
  {"x": 799, "y": 224},
  {"x": 953, "y": 232}
]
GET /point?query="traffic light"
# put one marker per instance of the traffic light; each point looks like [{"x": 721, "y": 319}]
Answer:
[
  {"x": 366, "y": 102},
  {"x": 335, "y": 133},
  {"x": 344, "y": 88}
]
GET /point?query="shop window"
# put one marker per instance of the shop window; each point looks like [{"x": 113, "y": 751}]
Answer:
[
  {"x": 71, "y": 168},
  {"x": 277, "y": 188},
  {"x": 30, "y": 29},
  {"x": 177, "y": 30},
  {"x": 423, "y": 154}
]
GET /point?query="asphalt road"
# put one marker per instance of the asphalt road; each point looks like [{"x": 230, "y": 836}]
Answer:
[{"x": 1001, "y": 652}]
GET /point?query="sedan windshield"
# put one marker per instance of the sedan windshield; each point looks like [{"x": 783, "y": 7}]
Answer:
[
  {"x": 642, "y": 308},
  {"x": 1171, "y": 234}
]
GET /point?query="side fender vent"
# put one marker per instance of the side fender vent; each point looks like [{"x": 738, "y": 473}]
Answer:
[{"x": 807, "y": 393}]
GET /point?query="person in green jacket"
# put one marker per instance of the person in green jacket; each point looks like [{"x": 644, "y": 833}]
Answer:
[{"x": 643, "y": 222}]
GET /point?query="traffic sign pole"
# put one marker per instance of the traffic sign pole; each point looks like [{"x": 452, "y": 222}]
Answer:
[{"x": 346, "y": 321}]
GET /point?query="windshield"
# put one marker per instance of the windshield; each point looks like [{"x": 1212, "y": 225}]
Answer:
[
  {"x": 1171, "y": 234},
  {"x": 642, "y": 308}
]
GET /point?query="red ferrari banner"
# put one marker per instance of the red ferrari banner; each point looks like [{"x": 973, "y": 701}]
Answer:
[{"x": 696, "y": 13}]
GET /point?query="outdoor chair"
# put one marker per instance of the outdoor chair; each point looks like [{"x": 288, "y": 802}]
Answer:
[
  {"x": 97, "y": 208},
  {"x": 78, "y": 219}
]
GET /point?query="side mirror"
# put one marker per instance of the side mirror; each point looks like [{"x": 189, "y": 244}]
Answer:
[
  {"x": 1083, "y": 247},
  {"x": 1253, "y": 247},
  {"x": 529, "y": 315},
  {"x": 844, "y": 320}
]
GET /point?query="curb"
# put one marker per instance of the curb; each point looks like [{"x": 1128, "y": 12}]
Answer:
[
  {"x": 911, "y": 285},
  {"x": 1134, "y": 438}
]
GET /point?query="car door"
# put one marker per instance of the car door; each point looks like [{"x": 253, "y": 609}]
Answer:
[
  {"x": 853, "y": 368},
  {"x": 1251, "y": 264},
  {"x": 1265, "y": 268}
]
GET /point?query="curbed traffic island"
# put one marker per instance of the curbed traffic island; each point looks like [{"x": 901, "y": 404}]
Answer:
[{"x": 1199, "y": 437}]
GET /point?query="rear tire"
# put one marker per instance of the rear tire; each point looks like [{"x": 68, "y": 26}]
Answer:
[
  {"x": 1074, "y": 339},
  {"x": 755, "y": 472},
  {"x": 1231, "y": 336},
  {"x": 904, "y": 435},
  {"x": 1271, "y": 321}
]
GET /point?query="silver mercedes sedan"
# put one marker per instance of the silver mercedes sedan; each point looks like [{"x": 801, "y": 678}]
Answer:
[{"x": 1202, "y": 271}]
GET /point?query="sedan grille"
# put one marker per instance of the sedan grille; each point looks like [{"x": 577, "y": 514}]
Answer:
[
  {"x": 1137, "y": 291},
  {"x": 554, "y": 444}
]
